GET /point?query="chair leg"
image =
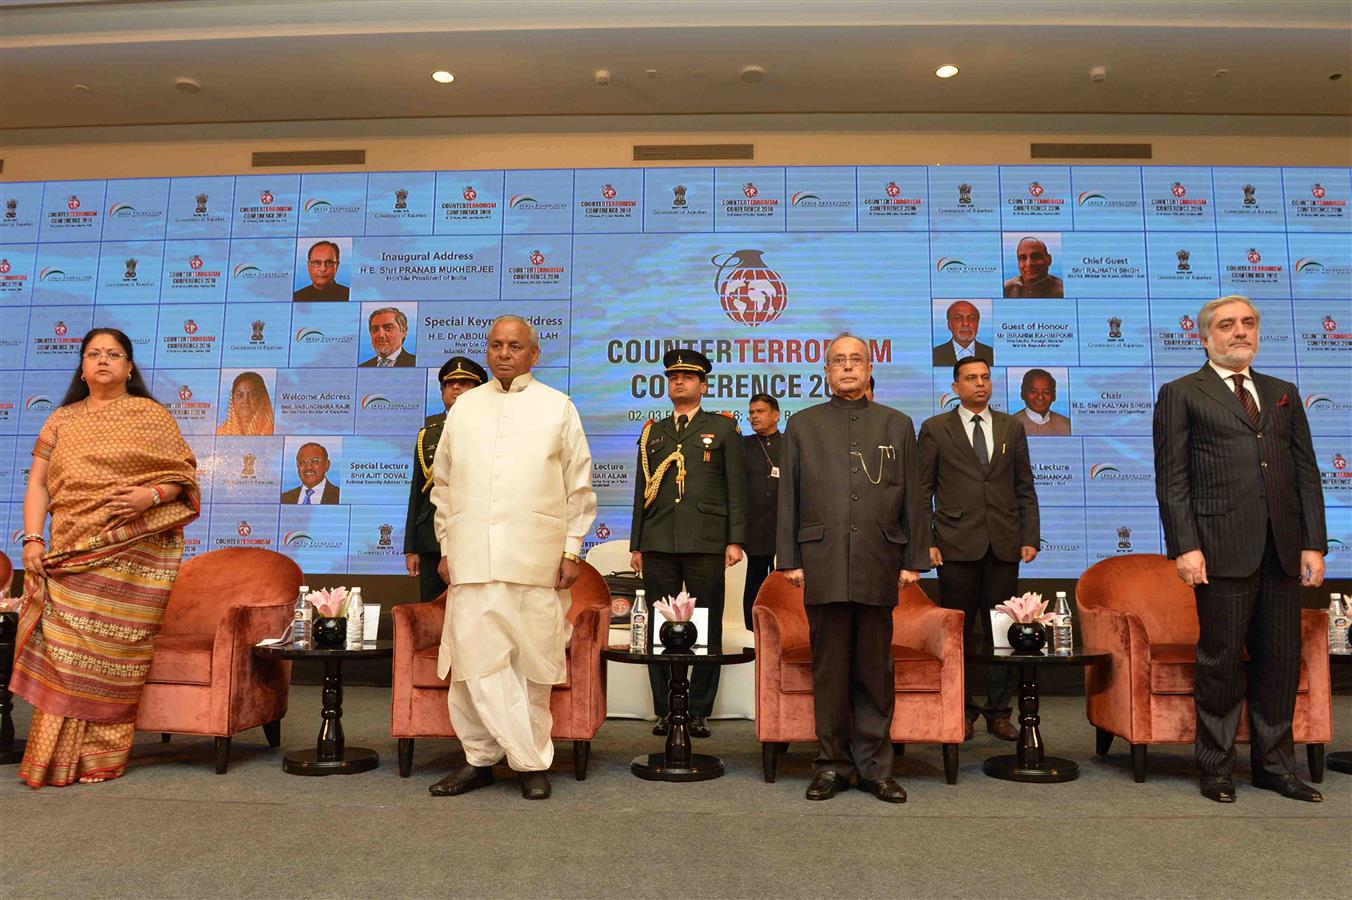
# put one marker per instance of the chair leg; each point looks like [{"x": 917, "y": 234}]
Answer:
[
  {"x": 769, "y": 759},
  {"x": 405, "y": 757},
  {"x": 273, "y": 732},
  {"x": 1138, "y": 762},
  {"x": 1314, "y": 754},
  {"x": 951, "y": 763},
  {"x": 1103, "y": 740},
  {"x": 222, "y": 754},
  {"x": 581, "y": 756},
  {"x": 898, "y": 748},
  {"x": 782, "y": 747},
  {"x": 164, "y": 737}
]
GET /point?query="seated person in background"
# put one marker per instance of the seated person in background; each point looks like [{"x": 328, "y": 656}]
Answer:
[{"x": 312, "y": 465}]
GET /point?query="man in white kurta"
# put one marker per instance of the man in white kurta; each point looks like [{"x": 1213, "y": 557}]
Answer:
[{"x": 513, "y": 496}]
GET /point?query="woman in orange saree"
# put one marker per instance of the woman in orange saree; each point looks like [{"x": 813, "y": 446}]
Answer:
[{"x": 119, "y": 481}]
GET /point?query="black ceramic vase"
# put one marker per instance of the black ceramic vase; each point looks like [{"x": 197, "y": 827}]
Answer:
[
  {"x": 329, "y": 631},
  {"x": 1027, "y": 637},
  {"x": 678, "y": 636}
]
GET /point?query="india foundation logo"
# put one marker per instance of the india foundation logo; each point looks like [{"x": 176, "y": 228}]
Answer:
[
  {"x": 1183, "y": 257},
  {"x": 1339, "y": 462},
  {"x": 1178, "y": 190},
  {"x": 244, "y": 529},
  {"x": 1317, "y": 191},
  {"x": 1254, "y": 256},
  {"x": 257, "y": 336},
  {"x": 1186, "y": 323},
  {"x": 537, "y": 258},
  {"x": 201, "y": 204},
  {"x": 750, "y": 190},
  {"x": 893, "y": 189},
  {"x": 72, "y": 203},
  {"x": 189, "y": 326},
  {"x": 751, "y": 293},
  {"x": 195, "y": 262},
  {"x": 1035, "y": 189},
  {"x": 678, "y": 196},
  {"x": 469, "y": 193},
  {"x": 1124, "y": 538},
  {"x": 609, "y": 192},
  {"x": 130, "y": 273},
  {"x": 1330, "y": 324},
  {"x": 602, "y": 531},
  {"x": 247, "y": 469},
  {"x": 401, "y": 199},
  {"x": 386, "y": 533},
  {"x": 1114, "y": 328},
  {"x": 5, "y": 267},
  {"x": 265, "y": 197},
  {"x": 1249, "y": 199},
  {"x": 184, "y": 393},
  {"x": 964, "y": 194},
  {"x": 60, "y": 329},
  {"x": 11, "y": 209}
]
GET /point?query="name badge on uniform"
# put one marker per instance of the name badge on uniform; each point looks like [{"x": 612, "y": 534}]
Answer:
[{"x": 774, "y": 471}]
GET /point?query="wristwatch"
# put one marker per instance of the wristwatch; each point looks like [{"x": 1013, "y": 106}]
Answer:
[
  {"x": 158, "y": 498},
  {"x": 573, "y": 556}
]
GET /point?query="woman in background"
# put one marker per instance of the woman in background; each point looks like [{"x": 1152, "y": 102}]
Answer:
[
  {"x": 120, "y": 483},
  {"x": 250, "y": 409}
]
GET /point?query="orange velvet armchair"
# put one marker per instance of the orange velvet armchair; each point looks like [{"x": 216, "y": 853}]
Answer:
[
  {"x": 418, "y": 696},
  {"x": 1136, "y": 608},
  {"x": 926, "y": 647},
  {"x": 204, "y": 678}
]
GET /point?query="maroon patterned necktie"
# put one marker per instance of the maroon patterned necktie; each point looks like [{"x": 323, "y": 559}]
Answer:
[{"x": 1245, "y": 399}]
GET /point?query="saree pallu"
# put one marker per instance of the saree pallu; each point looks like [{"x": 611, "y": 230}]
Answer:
[{"x": 87, "y": 630}]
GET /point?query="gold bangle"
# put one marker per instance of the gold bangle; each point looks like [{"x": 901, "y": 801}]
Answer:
[{"x": 573, "y": 556}]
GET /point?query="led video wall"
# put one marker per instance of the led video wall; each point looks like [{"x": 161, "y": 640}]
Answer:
[{"x": 294, "y": 324}]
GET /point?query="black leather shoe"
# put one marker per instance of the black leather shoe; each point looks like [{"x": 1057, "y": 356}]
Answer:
[
  {"x": 1003, "y": 729},
  {"x": 662, "y": 726},
  {"x": 1218, "y": 788},
  {"x": 1288, "y": 786},
  {"x": 825, "y": 785},
  {"x": 534, "y": 785},
  {"x": 886, "y": 790},
  {"x": 463, "y": 780},
  {"x": 699, "y": 727}
]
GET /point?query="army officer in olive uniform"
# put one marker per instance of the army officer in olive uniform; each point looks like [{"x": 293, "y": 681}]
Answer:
[
  {"x": 421, "y": 552},
  {"x": 689, "y": 516}
]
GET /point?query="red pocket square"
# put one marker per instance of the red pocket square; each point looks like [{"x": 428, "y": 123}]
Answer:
[{"x": 1285, "y": 401}]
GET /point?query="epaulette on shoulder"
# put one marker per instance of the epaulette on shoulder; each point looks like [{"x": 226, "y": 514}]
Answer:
[{"x": 724, "y": 412}]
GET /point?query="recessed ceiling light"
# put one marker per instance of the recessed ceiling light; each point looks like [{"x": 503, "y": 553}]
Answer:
[
  {"x": 753, "y": 74},
  {"x": 441, "y": 76},
  {"x": 946, "y": 71},
  {"x": 188, "y": 86}
]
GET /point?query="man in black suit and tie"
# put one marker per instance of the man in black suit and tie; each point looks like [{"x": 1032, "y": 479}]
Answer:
[
  {"x": 1243, "y": 515},
  {"x": 762, "y": 495},
  {"x": 389, "y": 328},
  {"x": 312, "y": 466},
  {"x": 852, "y": 529},
  {"x": 963, "y": 320},
  {"x": 975, "y": 471}
]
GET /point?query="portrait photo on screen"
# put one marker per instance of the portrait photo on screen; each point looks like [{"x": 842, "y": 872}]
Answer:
[
  {"x": 1030, "y": 265},
  {"x": 247, "y": 402},
  {"x": 1037, "y": 403},
  {"x": 959, "y": 326},
  {"x": 387, "y": 328},
  {"x": 306, "y": 466},
  {"x": 321, "y": 274}
]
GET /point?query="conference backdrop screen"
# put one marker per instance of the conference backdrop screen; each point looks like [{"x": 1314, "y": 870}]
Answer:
[{"x": 278, "y": 290}]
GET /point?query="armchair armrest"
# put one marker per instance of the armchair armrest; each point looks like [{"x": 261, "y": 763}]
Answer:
[
  {"x": 1117, "y": 692},
  {"x": 918, "y": 622},
  {"x": 1314, "y": 651},
  {"x": 247, "y": 690},
  {"x": 417, "y": 626}
]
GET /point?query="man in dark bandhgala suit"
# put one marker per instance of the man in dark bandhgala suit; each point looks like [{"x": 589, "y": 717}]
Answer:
[
  {"x": 852, "y": 529},
  {"x": 1243, "y": 515}
]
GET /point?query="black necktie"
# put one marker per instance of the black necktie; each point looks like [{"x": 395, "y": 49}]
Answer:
[
  {"x": 1245, "y": 399},
  {"x": 681, "y": 422},
  {"x": 979, "y": 444}
]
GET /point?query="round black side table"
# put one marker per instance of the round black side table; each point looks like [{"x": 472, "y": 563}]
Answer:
[
  {"x": 331, "y": 755},
  {"x": 677, "y": 762},
  {"x": 1031, "y": 762}
]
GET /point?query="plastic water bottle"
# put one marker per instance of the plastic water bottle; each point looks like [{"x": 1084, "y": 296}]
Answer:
[
  {"x": 1063, "y": 635},
  {"x": 638, "y": 624},
  {"x": 300, "y": 623},
  {"x": 1338, "y": 624},
  {"x": 356, "y": 612}
]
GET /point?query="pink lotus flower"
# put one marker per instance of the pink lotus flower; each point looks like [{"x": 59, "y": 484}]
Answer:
[
  {"x": 330, "y": 603},
  {"x": 677, "y": 609},
  {"x": 1028, "y": 608}
]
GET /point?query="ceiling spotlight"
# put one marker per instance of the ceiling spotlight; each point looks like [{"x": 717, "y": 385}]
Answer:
[
  {"x": 753, "y": 74},
  {"x": 188, "y": 86},
  {"x": 1098, "y": 74},
  {"x": 83, "y": 89},
  {"x": 1335, "y": 76},
  {"x": 441, "y": 76},
  {"x": 946, "y": 71}
]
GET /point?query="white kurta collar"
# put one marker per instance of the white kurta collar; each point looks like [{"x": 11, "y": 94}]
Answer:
[{"x": 519, "y": 384}]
